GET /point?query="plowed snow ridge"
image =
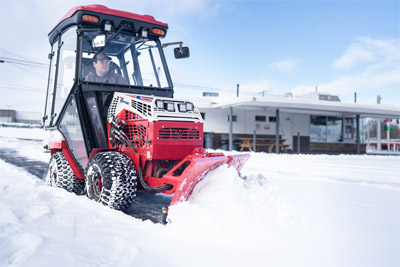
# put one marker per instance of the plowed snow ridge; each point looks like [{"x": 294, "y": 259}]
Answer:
[{"x": 291, "y": 210}]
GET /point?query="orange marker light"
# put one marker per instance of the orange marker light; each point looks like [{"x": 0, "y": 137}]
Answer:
[
  {"x": 158, "y": 31},
  {"x": 89, "y": 18}
]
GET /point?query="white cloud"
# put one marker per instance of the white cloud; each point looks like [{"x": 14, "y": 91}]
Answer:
[
  {"x": 378, "y": 72},
  {"x": 184, "y": 7},
  {"x": 284, "y": 65},
  {"x": 166, "y": 10},
  {"x": 354, "y": 83},
  {"x": 366, "y": 84},
  {"x": 369, "y": 51}
]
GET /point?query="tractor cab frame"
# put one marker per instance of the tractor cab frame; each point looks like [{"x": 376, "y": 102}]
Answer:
[{"x": 77, "y": 106}]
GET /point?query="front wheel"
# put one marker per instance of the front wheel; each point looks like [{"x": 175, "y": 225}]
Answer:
[
  {"x": 61, "y": 175},
  {"x": 111, "y": 180}
]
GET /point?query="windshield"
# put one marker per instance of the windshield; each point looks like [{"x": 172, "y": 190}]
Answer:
[{"x": 125, "y": 59}]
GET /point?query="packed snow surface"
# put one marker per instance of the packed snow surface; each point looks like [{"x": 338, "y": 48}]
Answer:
[{"x": 289, "y": 210}]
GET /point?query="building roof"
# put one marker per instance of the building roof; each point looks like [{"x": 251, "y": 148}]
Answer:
[{"x": 302, "y": 106}]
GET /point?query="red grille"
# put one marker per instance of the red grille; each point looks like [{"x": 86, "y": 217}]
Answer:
[
  {"x": 132, "y": 116},
  {"x": 136, "y": 134},
  {"x": 179, "y": 133}
]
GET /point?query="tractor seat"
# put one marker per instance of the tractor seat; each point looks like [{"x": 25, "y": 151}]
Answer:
[{"x": 87, "y": 66}]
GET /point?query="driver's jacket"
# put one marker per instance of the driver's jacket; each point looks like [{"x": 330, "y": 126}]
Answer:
[{"x": 113, "y": 78}]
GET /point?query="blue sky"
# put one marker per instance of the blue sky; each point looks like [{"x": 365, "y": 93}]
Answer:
[{"x": 274, "y": 46}]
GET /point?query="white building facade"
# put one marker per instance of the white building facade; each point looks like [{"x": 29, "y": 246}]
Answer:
[{"x": 318, "y": 125}]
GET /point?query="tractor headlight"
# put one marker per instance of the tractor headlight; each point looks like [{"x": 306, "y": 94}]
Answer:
[
  {"x": 145, "y": 33},
  {"x": 182, "y": 107},
  {"x": 107, "y": 26},
  {"x": 160, "y": 104},
  {"x": 189, "y": 106},
  {"x": 170, "y": 106}
]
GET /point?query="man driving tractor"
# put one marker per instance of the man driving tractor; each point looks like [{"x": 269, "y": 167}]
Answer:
[{"x": 102, "y": 72}]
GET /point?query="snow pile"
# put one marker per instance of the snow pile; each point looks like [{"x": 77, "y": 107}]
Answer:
[
  {"x": 28, "y": 142},
  {"x": 374, "y": 171},
  {"x": 37, "y": 222},
  {"x": 237, "y": 212},
  {"x": 25, "y": 148},
  {"x": 291, "y": 210},
  {"x": 23, "y": 133},
  {"x": 44, "y": 226}
]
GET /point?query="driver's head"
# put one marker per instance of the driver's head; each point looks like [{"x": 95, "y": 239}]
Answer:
[{"x": 101, "y": 64}]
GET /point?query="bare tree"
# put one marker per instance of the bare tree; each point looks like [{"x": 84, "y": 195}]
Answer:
[{"x": 372, "y": 129}]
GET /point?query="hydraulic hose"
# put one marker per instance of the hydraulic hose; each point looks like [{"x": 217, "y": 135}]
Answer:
[
  {"x": 152, "y": 188},
  {"x": 118, "y": 133}
]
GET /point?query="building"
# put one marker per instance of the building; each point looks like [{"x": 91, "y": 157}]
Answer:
[
  {"x": 7, "y": 115},
  {"x": 314, "y": 123},
  {"x": 28, "y": 117}
]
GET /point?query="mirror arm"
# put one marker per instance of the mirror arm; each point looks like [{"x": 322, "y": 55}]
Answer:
[{"x": 174, "y": 43}]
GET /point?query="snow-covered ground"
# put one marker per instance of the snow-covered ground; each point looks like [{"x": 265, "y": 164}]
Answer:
[{"x": 291, "y": 210}]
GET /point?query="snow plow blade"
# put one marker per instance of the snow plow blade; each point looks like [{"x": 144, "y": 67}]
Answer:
[{"x": 195, "y": 167}]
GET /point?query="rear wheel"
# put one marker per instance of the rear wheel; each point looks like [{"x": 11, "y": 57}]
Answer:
[
  {"x": 111, "y": 180},
  {"x": 61, "y": 175}
]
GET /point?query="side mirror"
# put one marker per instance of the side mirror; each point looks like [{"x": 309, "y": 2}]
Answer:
[
  {"x": 99, "y": 41},
  {"x": 181, "y": 52}
]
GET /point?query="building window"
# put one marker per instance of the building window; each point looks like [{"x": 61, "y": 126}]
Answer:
[
  {"x": 318, "y": 129},
  {"x": 326, "y": 129},
  {"x": 334, "y": 129},
  {"x": 261, "y": 118},
  {"x": 234, "y": 118},
  {"x": 272, "y": 119}
]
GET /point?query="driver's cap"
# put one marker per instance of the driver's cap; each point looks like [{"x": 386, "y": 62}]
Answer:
[{"x": 101, "y": 55}]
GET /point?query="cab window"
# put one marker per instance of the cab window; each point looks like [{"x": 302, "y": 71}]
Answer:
[{"x": 66, "y": 70}]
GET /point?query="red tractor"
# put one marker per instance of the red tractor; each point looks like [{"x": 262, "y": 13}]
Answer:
[{"x": 111, "y": 115}]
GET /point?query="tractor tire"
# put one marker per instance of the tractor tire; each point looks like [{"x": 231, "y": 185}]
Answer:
[
  {"x": 111, "y": 180},
  {"x": 61, "y": 175}
]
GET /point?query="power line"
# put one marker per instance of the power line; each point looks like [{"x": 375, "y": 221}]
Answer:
[
  {"x": 21, "y": 57},
  {"x": 25, "y": 90},
  {"x": 233, "y": 91},
  {"x": 5, "y": 50},
  {"x": 22, "y": 88},
  {"x": 29, "y": 71},
  {"x": 23, "y": 62},
  {"x": 19, "y": 86}
]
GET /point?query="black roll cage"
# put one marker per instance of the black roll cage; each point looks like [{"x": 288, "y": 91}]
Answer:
[
  {"x": 146, "y": 90},
  {"x": 94, "y": 86},
  {"x": 81, "y": 90}
]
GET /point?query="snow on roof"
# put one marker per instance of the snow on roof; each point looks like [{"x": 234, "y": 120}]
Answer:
[
  {"x": 299, "y": 105},
  {"x": 324, "y": 96}
]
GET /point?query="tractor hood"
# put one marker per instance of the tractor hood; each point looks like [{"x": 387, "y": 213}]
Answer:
[{"x": 154, "y": 108}]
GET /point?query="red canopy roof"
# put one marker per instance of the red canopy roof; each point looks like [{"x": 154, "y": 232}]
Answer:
[{"x": 114, "y": 12}]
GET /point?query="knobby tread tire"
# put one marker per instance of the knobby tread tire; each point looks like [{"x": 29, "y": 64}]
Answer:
[
  {"x": 62, "y": 176},
  {"x": 118, "y": 178}
]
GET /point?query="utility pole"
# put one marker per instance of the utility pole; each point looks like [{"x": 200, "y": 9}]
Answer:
[
  {"x": 237, "y": 90},
  {"x": 378, "y": 127},
  {"x": 230, "y": 144}
]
